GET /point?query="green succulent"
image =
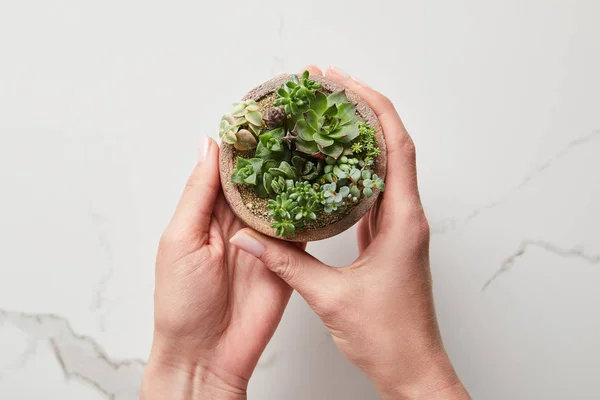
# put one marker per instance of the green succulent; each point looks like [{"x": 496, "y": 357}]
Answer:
[
  {"x": 270, "y": 144},
  {"x": 277, "y": 178},
  {"x": 328, "y": 126},
  {"x": 373, "y": 182},
  {"x": 280, "y": 210},
  {"x": 246, "y": 113},
  {"x": 228, "y": 129},
  {"x": 296, "y": 95},
  {"x": 333, "y": 198},
  {"x": 247, "y": 170},
  {"x": 307, "y": 170},
  {"x": 365, "y": 146}
]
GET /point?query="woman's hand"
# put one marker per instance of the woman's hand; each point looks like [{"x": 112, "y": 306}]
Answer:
[
  {"x": 216, "y": 307},
  {"x": 380, "y": 309}
]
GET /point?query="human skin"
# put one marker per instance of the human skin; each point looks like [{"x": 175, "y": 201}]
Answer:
[
  {"x": 220, "y": 295},
  {"x": 379, "y": 310},
  {"x": 215, "y": 306}
]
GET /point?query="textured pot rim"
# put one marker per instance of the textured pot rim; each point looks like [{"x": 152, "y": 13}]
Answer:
[{"x": 262, "y": 225}]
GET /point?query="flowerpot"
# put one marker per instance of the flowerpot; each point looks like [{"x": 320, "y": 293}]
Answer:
[{"x": 254, "y": 211}]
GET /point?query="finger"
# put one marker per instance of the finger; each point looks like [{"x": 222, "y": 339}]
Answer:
[
  {"x": 313, "y": 70},
  {"x": 401, "y": 162},
  {"x": 193, "y": 213},
  {"x": 307, "y": 275}
]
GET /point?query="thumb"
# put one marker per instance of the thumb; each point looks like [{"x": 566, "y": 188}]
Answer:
[{"x": 304, "y": 273}]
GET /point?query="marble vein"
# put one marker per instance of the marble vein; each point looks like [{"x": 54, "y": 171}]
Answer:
[
  {"x": 509, "y": 262},
  {"x": 451, "y": 224},
  {"x": 80, "y": 357}
]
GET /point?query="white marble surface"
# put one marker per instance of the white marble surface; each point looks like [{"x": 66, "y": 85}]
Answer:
[{"x": 101, "y": 109}]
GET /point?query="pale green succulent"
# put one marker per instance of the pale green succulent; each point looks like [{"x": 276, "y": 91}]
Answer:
[
  {"x": 246, "y": 113},
  {"x": 230, "y": 132},
  {"x": 228, "y": 129}
]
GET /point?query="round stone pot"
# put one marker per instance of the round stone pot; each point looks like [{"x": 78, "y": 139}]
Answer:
[{"x": 260, "y": 222}]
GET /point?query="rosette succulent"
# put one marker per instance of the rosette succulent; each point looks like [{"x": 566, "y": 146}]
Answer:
[
  {"x": 247, "y": 170},
  {"x": 307, "y": 170},
  {"x": 295, "y": 96},
  {"x": 329, "y": 126}
]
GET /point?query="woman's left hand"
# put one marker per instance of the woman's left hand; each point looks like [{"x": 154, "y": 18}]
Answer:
[{"x": 216, "y": 307}]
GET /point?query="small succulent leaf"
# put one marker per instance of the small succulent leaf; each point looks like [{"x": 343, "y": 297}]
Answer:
[
  {"x": 319, "y": 103},
  {"x": 336, "y": 98},
  {"x": 256, "y": 163},
  {"x": 304, "y": 131},
  {"x": 267, "y": 179},
  {"x": 368, "y": 183},
  {"x": 299, "y": 162},
  {"x": 251, "y": 179},
  {"x": 254, "y": 118},
  {"x": 323, "y": 140},
  {"x": 259, "y": 189},
  {"x": 354, "y": 174},
  {"x": 288, "y": 170},
  {"x": 229, "y": 137},
  {"x": 306, "y": 147},
  {"x": 237, "y": 109},
  {"x": 344, "y": 191},
  {"x": 255, "y": 129},
  {"x": 252, "y": 106},
  {"x": 312, "y": 119},
  {"x": 310, "y": 176},
  {"x": 366, "y": 174},
  {"x": 331, "y": 110},
  {"x": 346, "y": 112},
  {"x": 337, "y": 134},
  {"x": 350, "y": 132},
  {"x": 242, "y": 162},
  {"x": 282, "y": 92},
  {"x": 294, "y": 108},
  {"x": 337, "y": 171},
  {"x": 262, "y": 150},
  {"x": 335, "y": 150},
  {"x": 295, "y": 79},
  {"x": 305, "y": 75},
  {"x": 354, "y": 191},
  {"x": 290, "y": 84},
  {"x": 368, "y": 192}
]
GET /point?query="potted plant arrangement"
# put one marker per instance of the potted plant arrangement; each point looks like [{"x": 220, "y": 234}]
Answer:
[{"x": 302, "y": 158}]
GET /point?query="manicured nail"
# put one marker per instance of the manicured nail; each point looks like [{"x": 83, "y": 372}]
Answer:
[
  {"x": 339, "y": 72},
  {"x": 361, "y": 83},
  {"x": 248, "y": 244},
  {"x": 203, "y": 148}
]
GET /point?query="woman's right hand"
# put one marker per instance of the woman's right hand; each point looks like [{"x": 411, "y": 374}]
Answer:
[{"x": 379, "y": 309}]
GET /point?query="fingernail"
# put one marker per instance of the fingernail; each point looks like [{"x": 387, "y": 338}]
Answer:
[
  {"x": 203, "y": 148},
  {"x": 339, "y": 71},
  {"x": 247, "y": 243},
  {"x": 361, "y": 83}
]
